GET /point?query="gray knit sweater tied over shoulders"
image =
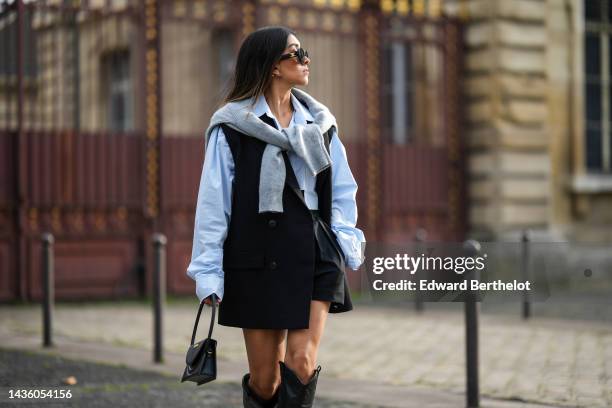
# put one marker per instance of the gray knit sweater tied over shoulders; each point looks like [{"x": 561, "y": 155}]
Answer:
[{"x": 305, "y": 140}]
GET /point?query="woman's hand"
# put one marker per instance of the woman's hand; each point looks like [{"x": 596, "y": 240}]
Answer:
[{"x": 209, "y": 302}]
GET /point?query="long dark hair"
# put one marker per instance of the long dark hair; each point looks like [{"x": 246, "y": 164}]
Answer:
[{"x": 259, "y": 51}]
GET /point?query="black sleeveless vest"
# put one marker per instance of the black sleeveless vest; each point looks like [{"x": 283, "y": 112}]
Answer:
[{"x": 268, "y": 258}]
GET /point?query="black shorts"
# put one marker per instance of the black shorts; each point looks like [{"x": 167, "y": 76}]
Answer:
[{"x": 328, "y": 275}]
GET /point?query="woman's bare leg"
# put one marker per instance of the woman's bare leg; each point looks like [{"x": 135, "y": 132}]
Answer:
[
  {"x": 265, "y": 347},
  {"x": 303, "y": 344}
]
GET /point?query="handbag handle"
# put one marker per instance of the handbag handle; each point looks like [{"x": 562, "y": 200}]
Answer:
[{"x": 212, "y": 317}]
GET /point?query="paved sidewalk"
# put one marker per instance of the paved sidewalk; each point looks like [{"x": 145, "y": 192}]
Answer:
[
  {"x": 121, "y": 362},
  {"x": 106, "y": 385},
  {"x": 413, "y": 360}
]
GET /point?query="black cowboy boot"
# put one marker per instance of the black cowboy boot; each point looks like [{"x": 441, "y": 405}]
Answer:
[
  {"x": 294, "y": 394},
  {"x": 251, "y": 400}
]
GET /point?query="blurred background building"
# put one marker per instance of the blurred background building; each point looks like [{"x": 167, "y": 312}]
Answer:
[{"x": 461, "y": 117}]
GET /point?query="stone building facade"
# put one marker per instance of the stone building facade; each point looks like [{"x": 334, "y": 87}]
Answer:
[{"x": 537, "y": 91}]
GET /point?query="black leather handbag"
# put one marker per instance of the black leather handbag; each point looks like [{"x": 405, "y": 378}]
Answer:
[{"x": 202, "y": 356}]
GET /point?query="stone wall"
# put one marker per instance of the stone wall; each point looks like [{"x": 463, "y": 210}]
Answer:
[
  {"x": 508, "y": 131},
  {"x": 524, "y": 125}
]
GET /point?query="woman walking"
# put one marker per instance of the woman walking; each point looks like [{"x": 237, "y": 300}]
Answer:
[{"x": 275, "y": 219}]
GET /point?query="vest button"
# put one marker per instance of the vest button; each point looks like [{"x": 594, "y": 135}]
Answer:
[
  {"x": 273, "y": 265},
  {"x": 272, "y": 223}
]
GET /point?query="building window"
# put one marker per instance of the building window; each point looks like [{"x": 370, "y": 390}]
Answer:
[
  {"x": 397, "y": 91},
  {"x": 223, "y": 40},
  {"x": 8, "y": 43},
  {"x": 597, "y": 85},
  {"x": 117, "y": 90}
]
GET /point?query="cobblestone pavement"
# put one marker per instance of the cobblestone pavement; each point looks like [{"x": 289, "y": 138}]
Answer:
[
  {"x": 557, "y": 362},
  {"x": 103, "y": 385}
]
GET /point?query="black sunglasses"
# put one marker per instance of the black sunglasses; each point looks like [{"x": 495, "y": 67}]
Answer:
[{"x": 301, "y": 55}]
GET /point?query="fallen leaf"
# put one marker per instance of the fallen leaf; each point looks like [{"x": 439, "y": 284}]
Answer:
[{"x": 70, "y": 380}]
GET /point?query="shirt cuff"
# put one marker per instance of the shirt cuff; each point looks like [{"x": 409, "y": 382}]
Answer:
[
  {"x": 207, "y": 285},
  {"x": 353, "y": 248}
]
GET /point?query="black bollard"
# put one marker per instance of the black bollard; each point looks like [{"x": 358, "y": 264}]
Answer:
[
  {"x": 48, "y": 283},
  {"x": 420, "y": 236},
  {"x": 159, "y": 295},
  {"x": 525, "y": 271},
  {"x": 472, "y": 247}
]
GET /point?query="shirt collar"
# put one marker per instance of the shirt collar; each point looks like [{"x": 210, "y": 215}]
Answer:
[{"x": 300, "y": 116}]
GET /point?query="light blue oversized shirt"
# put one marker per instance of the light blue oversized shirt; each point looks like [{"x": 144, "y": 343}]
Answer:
[{"x": 213, "y": 210}]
